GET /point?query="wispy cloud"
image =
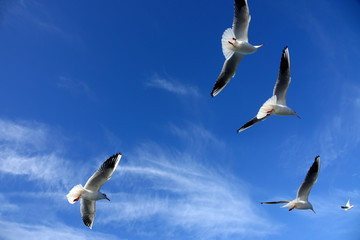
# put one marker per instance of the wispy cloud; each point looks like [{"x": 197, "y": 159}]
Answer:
[
  {"x": 76, "y": 87},
  {"x": 38, "y": 15},
  {"x": 172, "y": 86},
  {"x": 15, "y": 230},
  {"x": 174, "y": 190},
  {"x": 25, "y": 150}
]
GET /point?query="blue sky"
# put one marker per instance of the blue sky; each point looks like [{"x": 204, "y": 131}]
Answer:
[{"x": 82, "y": 80}]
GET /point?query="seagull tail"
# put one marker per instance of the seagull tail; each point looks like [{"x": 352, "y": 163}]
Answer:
[
  {"x": 75, "y": 193},
  {"x": 227, "y": 42}
]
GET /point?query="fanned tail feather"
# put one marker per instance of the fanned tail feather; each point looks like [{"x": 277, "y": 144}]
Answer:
[
  {"x": 227, "y": 48},
  {"x": 75, "y": 193}
]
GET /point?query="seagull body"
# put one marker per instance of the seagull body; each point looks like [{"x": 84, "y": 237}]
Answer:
[
  {"x": 347, "y": 207},
  {"x": 276, "y": 105},
  {"x": 89, "y": 194},
  {"x": 301, "y": 201},
  {"x": 234, "y": 45}
]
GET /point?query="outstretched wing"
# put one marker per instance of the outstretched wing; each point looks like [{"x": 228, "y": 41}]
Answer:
[
  {"x": 228, "y": 71},
  {"x": 88, "y": 212},
  {"x": 103, "y": 174},
  {"x": 283, "y": 80},
  {"x": 309, "y": 181},
  {"x": 241, "y": 20},
  {"x": 264, "y": 112},
  {"x": 277, "y": 202}
]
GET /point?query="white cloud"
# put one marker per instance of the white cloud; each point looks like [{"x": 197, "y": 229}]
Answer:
[
  {"x": 177, "y": 191},
  {"x": 26, "y": 149},
  {"x": 172, "y": 86},
  {"x": 15, "y": 231},
  {"x": 76, "y": 87},
  {"x": 38, "y": 15}
]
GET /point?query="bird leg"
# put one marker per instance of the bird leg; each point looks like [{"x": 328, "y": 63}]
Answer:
[
  {"x": 268, "y": 114},
  {"x": 291, "y": 208},
  {"x": 77, "y": 199},
  {"x": 234, "y": 39}
]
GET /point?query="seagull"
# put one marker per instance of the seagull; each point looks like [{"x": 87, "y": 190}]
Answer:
[
  {"x": 301, "y": 201},
  {"x": 90, "y": 193},
  {"x": 234, "y": 45},
  {"x": 276, "y": 105},
  {"x": 347, "y": 207}
]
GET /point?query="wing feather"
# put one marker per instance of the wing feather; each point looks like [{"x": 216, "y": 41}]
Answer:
[
  {"x": 241, "y": 20},
  {"x": 283, "y": 80},
  {"x": 228, "y": 71},
  {"x": 88, "y": 212},
  {"x": 309, "y": 181},
  {"x": 103, "y": 174}
]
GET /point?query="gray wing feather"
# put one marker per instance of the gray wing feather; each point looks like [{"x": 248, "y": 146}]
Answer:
[
  {"x": 88, "y": 212},
  {"x": 277, "y": 202},
  {"x": 250, "y": 123},
  {"x": 283, "y": 80},
  {"x": 103, "y": 174},
  {"x": 309, "y": 181},
  {"x": 241, "y": 20},
  {"x": 228, "y": 71}
]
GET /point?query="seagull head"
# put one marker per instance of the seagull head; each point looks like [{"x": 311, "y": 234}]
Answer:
[
  {"x": 311, "y": 208},
  {"x": 105, "y": 197},
  {"x": 294, "y": 113}
]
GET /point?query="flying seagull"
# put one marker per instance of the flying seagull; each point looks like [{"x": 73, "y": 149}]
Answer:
[
  {"x": 90, "y": 193},
  {"x": 276, "y": 105},
  {"x": 347, "y": 207},
  {"x": 234, "y": 45},
  {"x": 301, "y": 201}
]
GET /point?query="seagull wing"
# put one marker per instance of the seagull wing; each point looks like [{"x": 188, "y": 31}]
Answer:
[
  {"x": 228, "y": 71},
  {"x": 277, "y": 202},
  {"x": 88, "y": 212},
  {"x": 264, "y": 113},
  {"x": 250, "y": 123},
  {"x": 348, "y": 203},
  {"x": 241, "y": 20},
  {"x": 103, "y": 174},
  {"x": 283, "y": 80},
  {"x": 309, "y": 181}
]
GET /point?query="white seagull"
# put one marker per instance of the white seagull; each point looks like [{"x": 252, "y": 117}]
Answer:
[
  {"x": 301, "y": 201},
  {"x": 347, "y": 207},
  {"x": 234, "y": 45},
  {"x": 276, "y": 105},
  {"x": 90, "y": 193}
]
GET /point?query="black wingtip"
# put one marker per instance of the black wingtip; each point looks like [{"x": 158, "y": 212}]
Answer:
[
  {"x": 239, "y": 4},
  {"x": 285, "y": 60},
  {"x": 115, "y": 155}
]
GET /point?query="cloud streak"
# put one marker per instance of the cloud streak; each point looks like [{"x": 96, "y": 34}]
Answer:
[
  {"x": 25, "y": 150},
  {"x": 175, "y": 191},
  {"x": 172, "y": 86},
  {"x": 76, "y": 87},
  {"x": 12, "y": 231}
]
